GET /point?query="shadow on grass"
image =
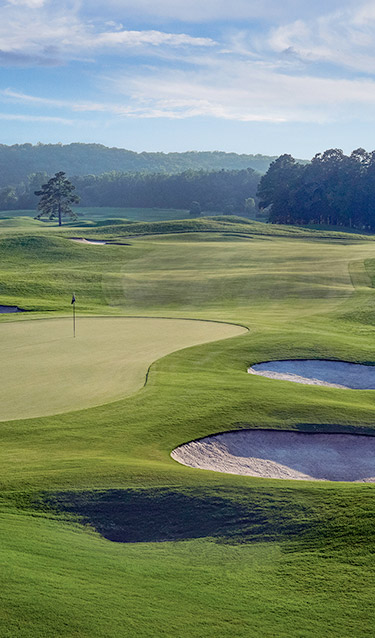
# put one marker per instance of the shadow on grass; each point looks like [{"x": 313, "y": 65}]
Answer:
[
  {"x": 315, "y": 517},
  {"x": 156, "y": 515}
]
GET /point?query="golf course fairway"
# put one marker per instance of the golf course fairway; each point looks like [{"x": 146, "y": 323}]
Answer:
[
  {"x": 107, "y": 360},
  {"x": 102, "y": 533}
]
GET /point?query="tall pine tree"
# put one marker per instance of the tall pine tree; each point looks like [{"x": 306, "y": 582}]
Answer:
[{"x": 56, "y": 197}]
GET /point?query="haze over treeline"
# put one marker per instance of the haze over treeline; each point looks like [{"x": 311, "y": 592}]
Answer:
[
  {"x": 17, "y": 162},
  {"x": 228, "y": 191}
]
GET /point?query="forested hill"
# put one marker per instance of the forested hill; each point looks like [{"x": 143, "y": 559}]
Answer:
[{"x": 20, "y": 160}]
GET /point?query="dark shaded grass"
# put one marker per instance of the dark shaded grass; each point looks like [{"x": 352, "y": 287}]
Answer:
[
  {"x": 313, "y": 517},
  {"x": 165, "y": 514}
]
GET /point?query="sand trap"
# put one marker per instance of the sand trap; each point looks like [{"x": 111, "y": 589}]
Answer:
[
  {"x": 335, "y": 374},
  {"x": 284, "y": 455},
  {"x": 82, "y": 240},
  {"x": 6, "y": 309}
]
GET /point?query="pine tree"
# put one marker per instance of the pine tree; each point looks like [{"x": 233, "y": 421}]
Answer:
[{"x": 56, "y": 197}]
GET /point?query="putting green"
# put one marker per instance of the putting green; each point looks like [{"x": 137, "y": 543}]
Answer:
[{"x": 46, "y": 371}]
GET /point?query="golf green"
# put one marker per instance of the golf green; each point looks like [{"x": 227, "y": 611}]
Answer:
[{"x": 46, "y": 371}]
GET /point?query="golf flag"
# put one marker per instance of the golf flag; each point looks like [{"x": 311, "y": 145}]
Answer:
[{"x": 73, "y": 303}]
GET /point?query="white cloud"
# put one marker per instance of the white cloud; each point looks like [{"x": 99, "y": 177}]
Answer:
[
  {"x": 270, "y": 77},
  {"x": 43, "y": 33},
  {"x": 49, "y": 32},
  {"x": 244, "y": 91},
  {"x": 34, "y": 118},
  {"x": 233, "y": 90},
  {"x": 33, "y": 4},
  {"x": 155, "y": 38},
  {"x": 72, "y": 105},
  {"x": 345, "y": 38},
  {"x": 364, "y": 14}
]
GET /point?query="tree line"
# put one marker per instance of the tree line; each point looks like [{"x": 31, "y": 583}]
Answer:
[
  {"x": 333, "y": 189},
  {"x": 222, "y": 191}
]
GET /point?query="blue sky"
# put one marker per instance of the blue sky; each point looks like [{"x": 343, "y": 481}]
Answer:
[{"x": 171, "y": 75}]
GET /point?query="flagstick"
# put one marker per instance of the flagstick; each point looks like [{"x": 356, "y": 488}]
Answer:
[{"x": 74, "y": 314}]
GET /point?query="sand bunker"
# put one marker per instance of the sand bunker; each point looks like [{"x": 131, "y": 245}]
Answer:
[
  {"x": 6, "y": 309},
  {"x": 82, "y": 240},
  {"x": 335, "y": 374},
  {"x": 284, "y": 455}
]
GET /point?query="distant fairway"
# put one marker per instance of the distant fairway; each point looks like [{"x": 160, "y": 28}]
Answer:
[
  {"x": 45, "y": 371},
  {"x": 100, "y": 213}
]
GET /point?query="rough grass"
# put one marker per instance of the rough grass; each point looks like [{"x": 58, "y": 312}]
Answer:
[{"x": 241, "y": 556}]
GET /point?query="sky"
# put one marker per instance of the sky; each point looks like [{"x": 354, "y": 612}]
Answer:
[{"x": 248, "y": 76}]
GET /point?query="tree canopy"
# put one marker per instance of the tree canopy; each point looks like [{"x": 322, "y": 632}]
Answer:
[
  {"x": 56, "y": 196},
  {"x": 217, "y": 191},
  {"x": 334, "y": 189},
  {"x": 222, "y": 191}
]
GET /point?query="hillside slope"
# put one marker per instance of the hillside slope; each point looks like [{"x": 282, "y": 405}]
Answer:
[{"x": 20, "y": 160}]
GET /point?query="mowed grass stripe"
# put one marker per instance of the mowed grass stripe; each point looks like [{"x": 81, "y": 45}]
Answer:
[{"x": 46, "y": 371}]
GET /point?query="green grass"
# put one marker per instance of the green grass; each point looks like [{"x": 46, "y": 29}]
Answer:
[
  {"x": 107, "y": 360},
  {"x": 14, "y": 214},
  {"x": 92, "y": 215},
  {"x": 241, "y": 556},
  {"x": 104, "y": 213},
  {"x": 229, "y": 226},
  {"x": 83, "y": 585},
  {"x": 22, "y": 221}
]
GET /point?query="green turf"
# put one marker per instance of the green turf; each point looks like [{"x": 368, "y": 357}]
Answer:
[
  {"x": 227, "y": 225},
  {"x": 92, "y": 215},
  {"x": 62, "y": 581},
  {"x": 106, "y": 360},
  {"x": 22, "y": 221},
  {"x": 104, "y": 213},
  {"x": 241, "y": 556}
]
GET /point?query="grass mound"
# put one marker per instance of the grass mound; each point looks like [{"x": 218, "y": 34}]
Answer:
[
  {"x": 227, "y": 225},
  {"x": 21, "y": 222}
]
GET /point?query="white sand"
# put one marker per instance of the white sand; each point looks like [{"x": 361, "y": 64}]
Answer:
[
  {"x": 335, "y": 374},
  {"x": 284, "y": 455},
  {"x": 81, "y": 240}
]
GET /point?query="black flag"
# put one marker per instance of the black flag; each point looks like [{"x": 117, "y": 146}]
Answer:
[{"x": 73, "y": 298}]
